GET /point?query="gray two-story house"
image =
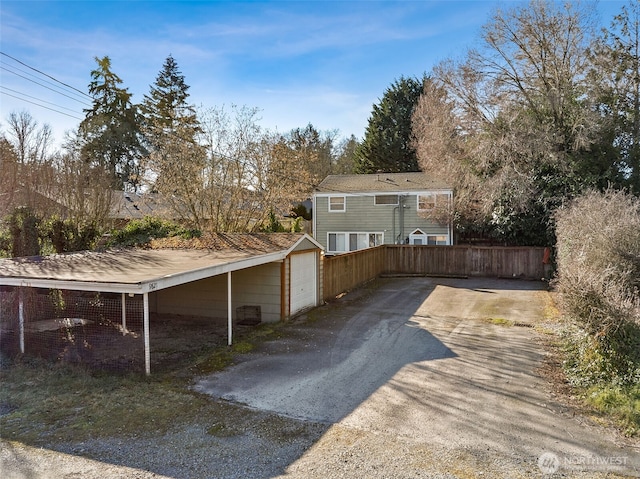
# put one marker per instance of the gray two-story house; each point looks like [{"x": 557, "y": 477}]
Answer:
[{"x": 352, "y": 212}]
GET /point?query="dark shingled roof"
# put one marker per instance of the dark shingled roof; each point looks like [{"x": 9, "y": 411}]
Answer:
[{"x": 380, "y": 182}]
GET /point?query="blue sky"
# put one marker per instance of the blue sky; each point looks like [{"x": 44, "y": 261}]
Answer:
[{"x": 319, "y": 62}]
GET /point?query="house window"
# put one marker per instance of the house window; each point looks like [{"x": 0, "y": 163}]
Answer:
[
  {"x": 337, "y": 242},
  {"x": 343, "y": 242},
  {"x": 375, "y": 239},
  {"x": 426, "y": 202},
  {"x": 337, "y": 203},
  {"x": 436, "y": 239},
  {"x": 386, "y": 200},
  {"x": 417, "y": 237},
  {"x": 429, "y": 201},
  {"x": 420, "y": 238}
]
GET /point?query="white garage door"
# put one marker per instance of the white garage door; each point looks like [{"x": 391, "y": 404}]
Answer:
[{"x": 303, "y": 281}]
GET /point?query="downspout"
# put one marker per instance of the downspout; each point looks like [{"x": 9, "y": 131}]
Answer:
[
  {"x": 393, "y": 223},
  {"x": 401, "y": 234}
]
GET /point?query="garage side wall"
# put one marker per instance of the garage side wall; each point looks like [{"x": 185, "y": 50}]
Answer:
[{"x": 257, "y": 286}]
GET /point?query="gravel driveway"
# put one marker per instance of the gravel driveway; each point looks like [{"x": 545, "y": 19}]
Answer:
[{"x": 409, "y": 377}]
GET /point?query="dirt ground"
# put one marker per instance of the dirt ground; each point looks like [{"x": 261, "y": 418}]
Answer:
[{"x": 404, "y": 378}]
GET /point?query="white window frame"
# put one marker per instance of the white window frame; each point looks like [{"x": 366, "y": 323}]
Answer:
[
  {"x": 335, "y": 249},
  {"x": 363, "y": 239},
  {"x": 435, "y": 202},
  {"x": 336, "y": 210},
  {"x": 430, "y": 239}
]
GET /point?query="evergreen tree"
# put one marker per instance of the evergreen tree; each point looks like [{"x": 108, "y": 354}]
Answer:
[
  {"x": 171, "y": 126},
  {"x": 314, "y": 150},
  {"x": 387, "y": 145},
  {"x": 345, "y": 161},
  {"x": 165, "y": 108},
  {"x": 110, "y": 133}
]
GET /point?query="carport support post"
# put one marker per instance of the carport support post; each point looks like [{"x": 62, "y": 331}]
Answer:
[
  {"x": 147, "y": 351},
  {"x": 229, "y": 309},
  {"x": 21, "y": 317},
  {"x": 124, "y": 314}
]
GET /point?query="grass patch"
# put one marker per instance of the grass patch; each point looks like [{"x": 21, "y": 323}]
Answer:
[
  {"x": 65, "y": 403},
  {"x": 500, "y": 321},
  {"x": 216, "y": 359},
  {"x": 605, "y": 388},
  {"x": 243, "y": 347},
  {"x": 222, "y": 430},
  {"x": 619, "y": 402}
]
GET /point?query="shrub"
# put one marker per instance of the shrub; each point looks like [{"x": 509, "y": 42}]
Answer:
[
  {"x": 598, "y": 259},
  {"x": 67, "y": 236},
  {"x": 141, "y": 232}
]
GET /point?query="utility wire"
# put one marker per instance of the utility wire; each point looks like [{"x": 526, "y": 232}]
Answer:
[
  {"x": 42, "y": 106},
  {"x": 42, "y": 85},
  {"x": 47, "y": 75},
  {"x": 38, "y": 99},
  {"x": 7, "y": 66}
]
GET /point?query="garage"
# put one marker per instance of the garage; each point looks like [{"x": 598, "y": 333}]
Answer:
[
  {"x": 304, "y": 281},
  {"x": 80, "y": 295}
]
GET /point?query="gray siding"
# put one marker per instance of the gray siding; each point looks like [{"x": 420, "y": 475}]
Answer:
[
  {"x": 259, "y": 286},
  {"x": 363, "y": 215}
]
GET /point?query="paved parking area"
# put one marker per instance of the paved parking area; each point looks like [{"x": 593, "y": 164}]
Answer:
[{"x": 448, "y": 363}]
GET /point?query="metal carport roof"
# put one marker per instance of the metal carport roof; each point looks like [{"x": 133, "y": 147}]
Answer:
[{"x": 141, "y": 271}]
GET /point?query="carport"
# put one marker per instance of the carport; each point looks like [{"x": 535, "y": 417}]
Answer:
[{"x": 279, "y": 271}]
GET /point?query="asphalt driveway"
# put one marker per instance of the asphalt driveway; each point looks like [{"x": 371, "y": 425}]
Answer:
[{"x": 450, "y": 366}]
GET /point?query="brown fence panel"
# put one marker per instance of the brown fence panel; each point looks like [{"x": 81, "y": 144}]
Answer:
[
  {"x": 492, "y": 261},
  {"x": 347, "y": 271}
]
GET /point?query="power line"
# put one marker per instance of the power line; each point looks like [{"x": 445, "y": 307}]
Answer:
[
  {"x": 36, "y": 98},
  {"x": 46, "y": 74},
  {"x": 42, "y": 85},
  {"x": 7, "y": 66},
  {"x": 42, "y": 106}
]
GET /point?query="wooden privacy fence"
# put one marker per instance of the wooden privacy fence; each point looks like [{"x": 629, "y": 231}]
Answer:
[{"x": 347, "y": 271}]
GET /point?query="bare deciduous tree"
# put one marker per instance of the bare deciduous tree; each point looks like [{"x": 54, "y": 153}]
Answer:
[
  {"x": 82, "y": 188},
  {"x": 510, "y": 124},
  {"x": 30, "y": 141},
  {"x": 238, "y": 175}
]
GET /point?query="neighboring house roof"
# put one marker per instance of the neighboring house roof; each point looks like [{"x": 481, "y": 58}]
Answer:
[
  {"x": 380, "y": 182},
  {"x": 143, "y": 270},
  {"x": 131, "y": 206},
  {"x": 29, "y": 197}
]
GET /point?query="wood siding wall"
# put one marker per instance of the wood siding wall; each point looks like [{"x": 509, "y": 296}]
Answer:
[
  {"x": 345, "y": 272},
  {"x": 363, "y": 215},
  {"x": 258, "y": 286}
]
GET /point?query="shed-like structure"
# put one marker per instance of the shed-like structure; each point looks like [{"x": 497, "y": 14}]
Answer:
[{"x": 215, "y": 276}]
